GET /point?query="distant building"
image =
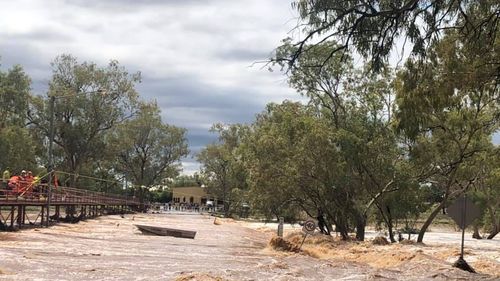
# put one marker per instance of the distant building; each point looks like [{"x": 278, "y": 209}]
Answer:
[{"x": 189, "y": 195}]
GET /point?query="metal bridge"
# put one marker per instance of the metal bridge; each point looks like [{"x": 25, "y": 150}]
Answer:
[{"x": 34, "y": 208}]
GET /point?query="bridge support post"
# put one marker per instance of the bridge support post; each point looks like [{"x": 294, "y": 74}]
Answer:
[
  {"x": 12, "y": 215},
  {"x": 23, "y": 211},
  {"x": 19, "y": 216},
  {"x": 58, "y": 212},
  {"x": 42, "y": 216}
]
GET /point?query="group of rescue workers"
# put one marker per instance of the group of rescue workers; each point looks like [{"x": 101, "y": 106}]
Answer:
[{"x": 23, "y": 184}]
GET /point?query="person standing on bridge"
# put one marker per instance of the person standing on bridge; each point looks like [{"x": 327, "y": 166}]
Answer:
[
  {"x": 23, "y": 183},
  {"x": 13, "y": 185},
  {"x": 22, "y": 177},
  {"x": 29, "y": 177},
  {"x": 6, "y": 176}
]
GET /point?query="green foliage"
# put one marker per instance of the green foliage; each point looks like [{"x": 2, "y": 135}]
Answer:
[
  {"x": 448, "y": 108},
  {"x": 222, "y": 166},
  {"x": 185, "y": 181},
  {"x": 14, "y": 97},
  {"x": 89, "y": 101},
  {"x": 163, "y": 196},
  {"x": 486, "y": 191},
  {"x": 147, "y": 150},
  {"x": 373, "y": 28},
  {"x": 17, "y": 147},
  {"x": 285, "y": 153},
  {"x": 17, "y": 150}
]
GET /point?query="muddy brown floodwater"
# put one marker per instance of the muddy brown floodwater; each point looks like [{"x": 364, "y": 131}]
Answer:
[{"x": 111, "y": 248}]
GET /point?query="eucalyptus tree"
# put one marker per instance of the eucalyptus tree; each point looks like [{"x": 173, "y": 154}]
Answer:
[
  {"x": 293, "y": 165},
  {"x": 15, "y": 86},
  {"x": 17, "y": 144},
  {"x": 360, "y": 109},
  {"x": 89, "y": 101},
  {"x": 17, "y": 149},
  {"x": 374, "y": 28},
  {"x": 222, "y": 169},
  {"x": 146, "y": 150},
  {"x": 449, "y": 106}
]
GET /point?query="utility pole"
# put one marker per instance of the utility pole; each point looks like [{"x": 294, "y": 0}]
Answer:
[{"x": 50, "y": 155}]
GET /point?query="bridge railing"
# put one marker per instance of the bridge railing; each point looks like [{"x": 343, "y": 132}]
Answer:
[{"x": 63, "y": 195}]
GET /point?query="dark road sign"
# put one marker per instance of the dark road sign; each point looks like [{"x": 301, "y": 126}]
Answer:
[{"x": 463, "y": 211}]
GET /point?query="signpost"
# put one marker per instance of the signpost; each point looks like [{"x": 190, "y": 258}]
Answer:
[
  {"x": 308, "y": 228},
  {"x": 463, "y": 211},
  {"x": 280, "y": 226}
]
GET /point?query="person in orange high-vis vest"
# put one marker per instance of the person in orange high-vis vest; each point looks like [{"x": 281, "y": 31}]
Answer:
[
  {"x": 22, "y": 184},
  {"x": 13, "y": 185},
  {"x": 28, "y": 186}
]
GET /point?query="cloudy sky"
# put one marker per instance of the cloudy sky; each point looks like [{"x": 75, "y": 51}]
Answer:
[{"x": 196, "y": 56}]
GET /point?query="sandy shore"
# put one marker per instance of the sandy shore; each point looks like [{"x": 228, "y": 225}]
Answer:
[{"x": 111, "y": 248}]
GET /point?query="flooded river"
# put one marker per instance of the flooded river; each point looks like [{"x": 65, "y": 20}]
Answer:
[{"x": 111, "y": 248}]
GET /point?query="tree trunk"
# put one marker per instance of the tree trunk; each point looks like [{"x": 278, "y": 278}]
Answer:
[
  {"x": 142, "y": 200},
  {"x": 494, "y": 232},
  {"x": 431, "y": 218},
  {"x": 389, "y": 225},
  {"x": 476, "y": 234},
  {"x": 342, "y": 228},
  {"x": 360, "y": 227}
]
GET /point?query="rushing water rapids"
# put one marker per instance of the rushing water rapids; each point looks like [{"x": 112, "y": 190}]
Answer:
[{"x": 111, "y": 248}]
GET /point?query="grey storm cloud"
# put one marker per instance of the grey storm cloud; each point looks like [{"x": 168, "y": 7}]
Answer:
[
  {"x": 128, "y": 3},
  {"x": 242, "y": 54},
  {"x": 193, "y": 92},
  {"x": 188, "y": 102}
]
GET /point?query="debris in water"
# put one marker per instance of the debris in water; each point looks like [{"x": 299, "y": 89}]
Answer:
[
  {"x": 278, "y": 243},
  {"x": 164, "y": 231},
  {"x": 198, "y": 277},
  {"x": 487, "y": 266},
  {"x": 380, "y": 240}
]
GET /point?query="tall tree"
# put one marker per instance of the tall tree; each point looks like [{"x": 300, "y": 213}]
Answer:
[
  {"x": 17, "y": 145},
  {"x": 221, "y": 166},
  {"x": 292, "y": 163},
  {"x": 360, "y": 108},
  {"x": 449, "y": 107},
  {"x": 15, "y": 88},
  {"x": 148, "y": 150},
  {"x": 89, "y": 101}
]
